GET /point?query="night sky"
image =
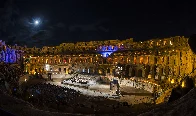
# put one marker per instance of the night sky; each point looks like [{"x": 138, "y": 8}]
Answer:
[{"x": 85, "y": 20}]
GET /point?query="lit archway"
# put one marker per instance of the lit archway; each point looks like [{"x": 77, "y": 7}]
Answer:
[{"x": 101, "y": 71}]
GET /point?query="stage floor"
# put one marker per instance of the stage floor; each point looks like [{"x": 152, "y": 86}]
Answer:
[{"x": 129, "y": 94}]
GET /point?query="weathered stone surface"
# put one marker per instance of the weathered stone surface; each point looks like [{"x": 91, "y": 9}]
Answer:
[{"x": 185, "y": 106}]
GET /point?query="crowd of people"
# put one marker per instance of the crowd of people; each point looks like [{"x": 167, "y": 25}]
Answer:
[
  {"x": 9, "y": 77},
  {"x": 45, "y": 94},
  {"x": 68, "y": 100},
  {"x": 56, "y": 98}
]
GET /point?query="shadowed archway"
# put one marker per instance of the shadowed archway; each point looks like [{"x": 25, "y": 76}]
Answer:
[
  {"x": 108, "y": 70},
  {"x": 139, "y": 74},
  {"x": 133, "y": 73},
  {"x": 127, "y": 71},
  {"x": 147, "y": 71}
]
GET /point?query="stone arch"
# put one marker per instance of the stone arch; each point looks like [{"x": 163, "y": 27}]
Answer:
[
  {"x": 133, "y": 73},
  {"x": 139, "y": 73}
]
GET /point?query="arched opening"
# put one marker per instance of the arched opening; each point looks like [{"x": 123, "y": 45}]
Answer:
[
  {"x": 156, "y": 52},
  {"x": 101, "y": 71},
  {"x": 96, "y": 71},
  {"x": 59, "y": 69},
  {"x": 127, "y": 71},
  {"x": 154, "y": 71},
  {"x": 113, "y": 72},
  {"x": 155, "y": 60},
  {"x": 133, "y": 73},
  {"x": 107, "y": 55},
  {"x": 108, "y": 70},
  {"x": 167, "y": 70},
  {"x": 161, "y": 73},
  {"x": 139, "y": 73},
  {"x": 91, "y": 70},
  {"x": 104, "y": 61},
  {"x": 135, "y": 60},
  {"x": 141, "y": 60},
  {"x": 130, "y": 69},
  {"x": 64, "y": 69},
  {"x": 86, "y": 70},
  {"x": 147, "y": 71}
]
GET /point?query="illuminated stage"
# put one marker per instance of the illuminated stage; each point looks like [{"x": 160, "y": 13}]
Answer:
[{"x": 132, "y": 96}]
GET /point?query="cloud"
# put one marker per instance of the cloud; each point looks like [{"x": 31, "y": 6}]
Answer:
[
  {"x": 88, "y": 27},
  {"x": 103, "y": 29},
  {"x": 50, "y": 27},
  {"x": 60, "y": 25}
]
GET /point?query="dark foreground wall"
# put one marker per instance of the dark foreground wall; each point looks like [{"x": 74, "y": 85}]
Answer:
[{"x": 5, "y": 113}]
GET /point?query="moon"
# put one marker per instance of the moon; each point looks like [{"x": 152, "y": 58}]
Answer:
[{"x": 36, "y": 22}]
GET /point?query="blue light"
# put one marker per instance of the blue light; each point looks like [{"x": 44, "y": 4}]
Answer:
[
  {"x": 106, "y": 54},
  {"x": 106, "y": 51}
]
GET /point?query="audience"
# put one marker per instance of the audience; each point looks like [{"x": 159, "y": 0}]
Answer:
[
  {"x": 56, "y": 98},
  {"x": 66, "y": 99}
]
